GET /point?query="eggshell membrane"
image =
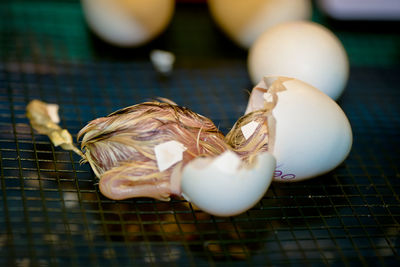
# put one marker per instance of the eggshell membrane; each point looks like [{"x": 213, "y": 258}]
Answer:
[
  {"x": 128, "y": 22},
  {"x": 303, "y": 50},
  {"x": 311, "y": 133},
  {"x": 244, "y": 21},
  {"x": 226, "y": 193}
]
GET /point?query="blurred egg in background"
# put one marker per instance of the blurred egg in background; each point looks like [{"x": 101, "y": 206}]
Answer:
[
  {"x": 128, "y": 23},
  {"x": 303, "y": 50},
  {"x": 245, "y": 21}
]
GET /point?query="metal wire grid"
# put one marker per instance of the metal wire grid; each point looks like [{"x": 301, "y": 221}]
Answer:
[
  {"x": 53, "y": 214},
  {"x": 51, "y": 205}
]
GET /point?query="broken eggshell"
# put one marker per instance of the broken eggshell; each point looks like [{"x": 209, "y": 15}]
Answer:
[
  {"x": 309, "y": 134},
  {"x": 225, "y": 185}
]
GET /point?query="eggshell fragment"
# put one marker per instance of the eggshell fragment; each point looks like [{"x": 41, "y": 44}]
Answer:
[
  {"x": 225, "y": 186},
  {"x": 303, "y": 50},
  {"x": 128, "y": 22},
  {"x": 249, "y": 128},
  {"x": 245, "y": 21},
  {"x": 311, "y": 134},
  {"x": 163, "y": 61},
  {"x": 168, "y": 153}
]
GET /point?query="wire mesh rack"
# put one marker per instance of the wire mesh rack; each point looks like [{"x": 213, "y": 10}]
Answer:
[{"x": 51, "y": 211}]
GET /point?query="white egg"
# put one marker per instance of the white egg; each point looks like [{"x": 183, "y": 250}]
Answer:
[
  {"x": 309, "y": 134},
  {"x": 225, "y": 186},
  {"x": 128, "y": 22},
  {"x": 244, "y": 21},
  {"x": 303, "y": 50}
]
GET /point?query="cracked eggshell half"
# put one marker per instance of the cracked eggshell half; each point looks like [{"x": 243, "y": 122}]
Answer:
[
  {"x": 303, "y": 50},
  {"x": 128, "y": 23},
  {"x": 310, "y": 134},
  {"x": 226, "y": 186}
]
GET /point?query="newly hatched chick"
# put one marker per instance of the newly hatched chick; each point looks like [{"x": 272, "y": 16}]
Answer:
[{"x": 121, "y": 148}]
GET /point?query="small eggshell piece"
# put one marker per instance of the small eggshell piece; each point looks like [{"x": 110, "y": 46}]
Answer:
[
  {"x": 163, "y": 61},
  {"x": 168, "y": 153},
  {"x": 229, "y": 190},
  {"x": 249, "y": 129},
  {"x": 267, "y": 97}
]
